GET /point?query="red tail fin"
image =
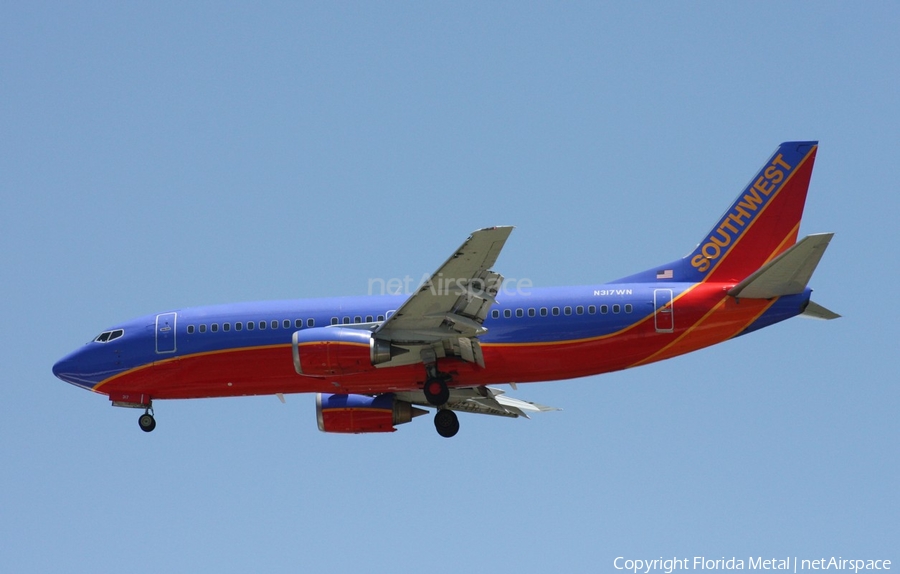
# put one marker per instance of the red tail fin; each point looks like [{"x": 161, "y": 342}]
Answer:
[{"x": 761, "y": 223}]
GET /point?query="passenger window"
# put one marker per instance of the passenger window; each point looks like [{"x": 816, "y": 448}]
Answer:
[
  {"x": 334, "y": 320},
  {"x": 262, "y": 325},
  {"x": 628, "y": 308},
  {"x": 495, "y": 313},
  {"x": 249, "y": 325},
  {"x": 567, "y": 310},
  {"x": 520, "y": 313},
  {"x": 616, "y": 308},
  {"x": 507, "y": 313},
  {"x": 369, "y": 319},
  {"x": 531, "y": 311},
  {"x": 346, "y": 320},
  {"x": 190, "y": 329},
  {"x": 214, "y": 327},
  {"x": 202, "y": 328},
  {"x": 579, "y": 310},
  {"x": 310, "y": 322},
  {"x": 556, "y": 311},
  {"x": 357, "y": 319},
  {"x": 543, "y": 311},
  {"x": 381, "y": 318},
  {"x": 298, "y": 323},
  {"x": 592, "y": 309},
  {"x": 238, "y": 326},
  {"x": 226, "y": 326},
  {"x": 604, "y": 309},
  {"x": 286, "y": 323}
]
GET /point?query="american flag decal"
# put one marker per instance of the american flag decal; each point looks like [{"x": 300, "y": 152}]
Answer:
[{"x": 666, "y": 274}]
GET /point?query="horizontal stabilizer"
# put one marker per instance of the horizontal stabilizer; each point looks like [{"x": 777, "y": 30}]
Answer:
[
  {"x": 787, "y": 274},
  {"x": 816, "y": 311}
]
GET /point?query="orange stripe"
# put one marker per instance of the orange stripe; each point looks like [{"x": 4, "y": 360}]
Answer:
[
  {"x": 96, "y": 387},
  {"x": 787, "y": 242},
  {"x": 713, "y": 332},
  {"x": 678, "y": 339}
]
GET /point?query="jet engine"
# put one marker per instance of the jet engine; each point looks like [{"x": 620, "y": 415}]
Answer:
[
  {"x": 362, "y": 414},
  {"x": 330, "y": 351}
]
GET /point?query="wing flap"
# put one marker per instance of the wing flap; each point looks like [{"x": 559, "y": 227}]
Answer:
[
  {"x": 482, "y": 401},
  {"x": 448, "y": 311}
]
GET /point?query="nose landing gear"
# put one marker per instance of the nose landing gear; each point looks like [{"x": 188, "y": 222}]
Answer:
[
  {"x": 146, "y": 420},
  {"x": 136, "y": 400}
]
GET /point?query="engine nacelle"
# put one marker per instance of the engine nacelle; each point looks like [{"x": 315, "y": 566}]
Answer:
[
  {"x": 330, "y": 351},
  {"x": 362, "y": 414}
]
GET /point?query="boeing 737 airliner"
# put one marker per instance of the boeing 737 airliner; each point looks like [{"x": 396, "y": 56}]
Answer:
[{"x": 375, "y": 361}]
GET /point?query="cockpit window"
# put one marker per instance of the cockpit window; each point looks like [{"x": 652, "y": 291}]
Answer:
[{"x": 107, "y": 336}]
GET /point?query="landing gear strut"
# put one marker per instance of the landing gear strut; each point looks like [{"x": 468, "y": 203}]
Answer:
[
  {"x": 436, "y": 392},
  {"x": 446, "y": 423},
  {"x": 435, "y": 388},
  {"x": 146, "y": 420}
]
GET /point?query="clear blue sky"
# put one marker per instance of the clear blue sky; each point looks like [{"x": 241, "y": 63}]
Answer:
[{"x": 159, "y": 157}]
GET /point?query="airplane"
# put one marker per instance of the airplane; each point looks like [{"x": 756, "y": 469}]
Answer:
[{"x": 379, "y": 361}]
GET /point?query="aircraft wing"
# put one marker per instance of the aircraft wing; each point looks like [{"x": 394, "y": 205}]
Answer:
[
  {"x": 447, "y": 312},
  {"x": 481, "y": 400}
]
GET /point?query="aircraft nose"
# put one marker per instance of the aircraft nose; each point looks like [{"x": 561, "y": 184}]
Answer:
[
  {"x": 63, "y": 367},
  {"x": 59, "y": 367},
  {"x": 90, "y": 365},
  {"x": 68, "y": 369}
]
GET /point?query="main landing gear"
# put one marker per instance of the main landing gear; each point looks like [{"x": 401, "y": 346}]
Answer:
[
  {"x": 146, "y": 420},
  {"x": 446, "y": 423},
  {"x": 436, "y": 391}
]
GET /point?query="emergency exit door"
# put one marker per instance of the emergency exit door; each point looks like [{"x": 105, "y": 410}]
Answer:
[
  {"x": 165, "y": 333},
  {"x": 664, "y": 314}
]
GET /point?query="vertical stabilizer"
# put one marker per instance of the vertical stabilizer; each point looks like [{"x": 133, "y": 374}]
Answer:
[{"x": 762, "y": 222}]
